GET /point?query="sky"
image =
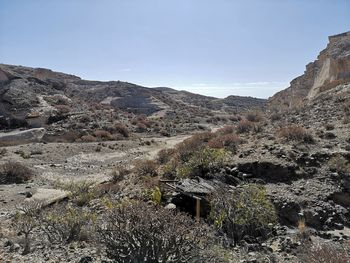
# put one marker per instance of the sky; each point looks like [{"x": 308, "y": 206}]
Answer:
[{"x": 211, "y": 47}]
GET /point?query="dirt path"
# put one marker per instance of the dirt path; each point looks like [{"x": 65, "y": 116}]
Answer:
[{"x": 54, "y": 162}]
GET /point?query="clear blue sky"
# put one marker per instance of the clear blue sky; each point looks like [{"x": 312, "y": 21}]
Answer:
[{"x": 213, "y": 47}]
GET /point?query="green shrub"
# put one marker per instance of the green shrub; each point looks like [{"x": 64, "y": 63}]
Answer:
[
  {"x": 65, "y": 224},
  {"x": 169, "y": 169},
  {"x": 137, "y": 232},
  {"x": 244, "y": 211},
  {"x": 203, "y": 161},
  {"x": 80, "y": 193},
  {"x": 185, "y": 149},
  {"x": 153, "y": 194},
  {"x": 14, "y": 173}
]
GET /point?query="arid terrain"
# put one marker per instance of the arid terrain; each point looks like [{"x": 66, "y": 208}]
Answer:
[{"x": 114, "y": 172}]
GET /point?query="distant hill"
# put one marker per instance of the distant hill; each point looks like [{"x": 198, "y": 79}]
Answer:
[{"x": 38, "y": 97}]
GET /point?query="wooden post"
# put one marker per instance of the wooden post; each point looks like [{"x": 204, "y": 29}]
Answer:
[{"x": 198, "y": 209}]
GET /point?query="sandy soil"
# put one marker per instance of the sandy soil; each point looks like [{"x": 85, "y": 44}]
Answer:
[{"x": 54, "y": 162}]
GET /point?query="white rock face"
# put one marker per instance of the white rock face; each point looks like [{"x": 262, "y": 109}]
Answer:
[
  {"x": 330, "y": 69},
  {"x": 17, "y": 137}
]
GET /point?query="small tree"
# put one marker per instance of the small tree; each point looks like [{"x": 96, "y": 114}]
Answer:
[
  {"x": 137, "y": 232},
  {"x": 244, "y": 211}
]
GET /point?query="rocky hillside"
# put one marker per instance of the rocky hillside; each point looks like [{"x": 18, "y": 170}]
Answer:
[
  {"x": 37, "y": 97},
  {"x": 331, "y": 69}
]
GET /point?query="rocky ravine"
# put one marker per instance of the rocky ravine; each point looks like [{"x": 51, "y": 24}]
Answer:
[{"x": 306, "y": 177}]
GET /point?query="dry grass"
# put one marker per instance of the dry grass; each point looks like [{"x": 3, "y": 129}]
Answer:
[{"x": 295, "y": 133}]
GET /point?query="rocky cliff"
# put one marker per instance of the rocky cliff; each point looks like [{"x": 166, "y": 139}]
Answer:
[{"x": 330, "y": 69}]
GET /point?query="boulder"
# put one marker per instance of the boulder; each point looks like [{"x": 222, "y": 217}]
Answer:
[{"x": 18, "y": 137}]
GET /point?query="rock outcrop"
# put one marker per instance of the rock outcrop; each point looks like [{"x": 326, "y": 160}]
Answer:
[
  {"x": 17, "y": 137},
  {"x": 331, "y": 69}
]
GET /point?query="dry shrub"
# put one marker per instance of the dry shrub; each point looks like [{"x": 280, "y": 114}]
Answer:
[
  {"x": 88, "y": 138},
  {"x": 3, "y": 152},
  {"x": 63, "y": 109},
  {"x": 185, "y": 149},
  {"x": 245, "y": 126},
  {"x": 228, "y": 129},
  {"x": 339, "y": 163},
  {"x": 329, "y": 126},
  {"x": 68, "y": 136},
  {"x": 234, "y": 118},
  {"x": 228, "y": 141},
  {"x": 275, "y": 117},
  {"x": 104, "y": 135},
  {"x": 14, "y": 173},
  {"x": 258, "y": 127},
  {"x": 164, "y": 155},
  {"x": 146, "y": 168},
  {"x": 119, "y": 174},
  {"x": 346, "y": 113},
  {"x": 85, "y": 119},
  {"x": 26, "y": 220},
  {"x": 295, "y": 133},
  {"x": 254, "y": 116},
  {"x": 326, "y": 253},
  {"x": 141, "y": 127},
  {"x": 303, "y": 232},
  {"x": 162, "y": 235},
  {"x": 122, "y": 129}
]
